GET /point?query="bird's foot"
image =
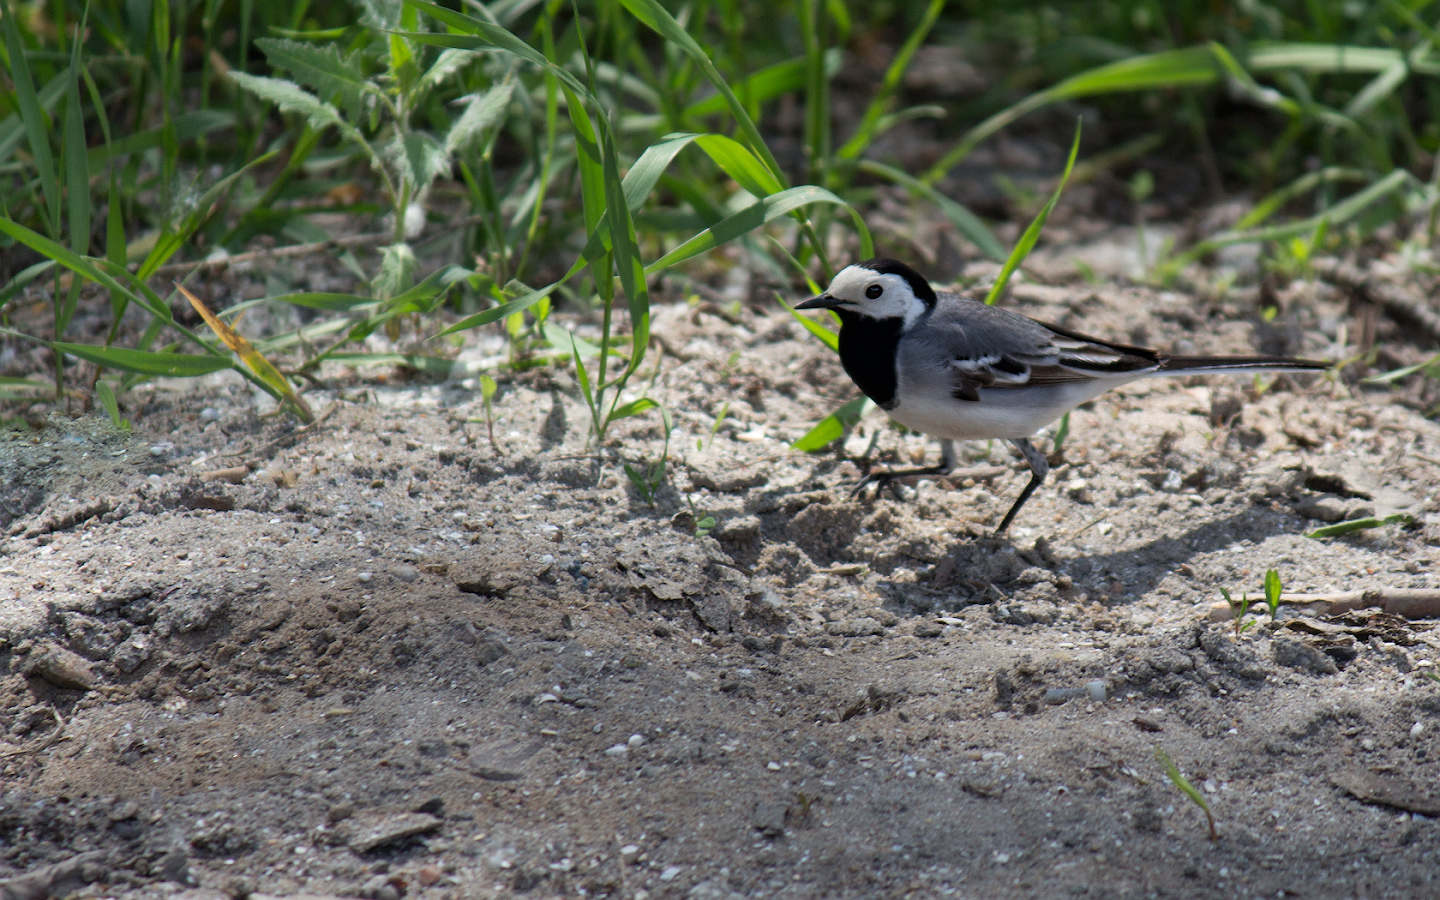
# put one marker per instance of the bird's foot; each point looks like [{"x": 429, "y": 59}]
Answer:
[{"x": 891, "y": 479}]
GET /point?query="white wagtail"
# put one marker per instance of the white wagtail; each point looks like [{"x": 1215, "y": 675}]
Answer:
[{"x": 959, "y": 370}]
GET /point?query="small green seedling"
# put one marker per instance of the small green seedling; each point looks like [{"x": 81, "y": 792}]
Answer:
[
  {"x": 1238, "y": 610},
  {"x": 1062, "y": 431},
  {"x": 106, "y": 396},
  {"x": 1272, "y": 592},
  {"x": 488, "y": 387},
  {"x": 1358, "y": 525},
  {"x": 1188, "y": 789},
  {"x": 649, "y": 481},
  {"x": 1433, "y": 676}
]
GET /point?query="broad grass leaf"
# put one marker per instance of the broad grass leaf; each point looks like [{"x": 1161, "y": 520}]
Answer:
[
  {"x": 146, "y": 362},
  {"x": 37, "y": 126},
  {"x": 870, "y": 121},
  {"x": 106, "y": 395},
  {"x": 767, "y": 84},
  {"x": 659, "y": 20},
  {"x": 1354, "y": 525},
  {"x": 83, "y": 266},
  {"x": 827, "y": 337},
  {"x": 755, "y": 216},
  {"x": 633, "y": 408},
  {"x": 833, "y": 426},
  {"x": 495, "y": 314}
]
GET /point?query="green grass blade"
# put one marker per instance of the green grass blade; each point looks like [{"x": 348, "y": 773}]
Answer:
[
  {"x": 870, "y": 122},
  {"x": 966, "y": 223},
  {"x": 646, "y": 172},
  {"x": 436, "y": 365},
  {"x": 588, "y": 159},
  {"x": 1188, "y": 67},
  {"x": 80, "y": 265},
  {"x": 749, "y": 219},
  {"x": 1357, "y": 525},
  {"x": 106, "y": 395},
  {"x": 1276, "y": 200},
  {"x": 1379, "y": 88},
  {"x": 146, "y": 362},
  {"x": 627, "y": 254},
  {"x": 77, "y": 168},
  {"x": 766, "y": 84},
  {"x": 657, "y": 19},
  {"x": 1032, "y": 234},
  {"x": 633, "y": 408},
  {"x": 13, "y": 130},
  {"x": 37, "y": 129},
  {"x": 495, "y": 314},
  {"x": 833, "y": 426},
  {"x": 827, "y": 337},
  {"x": 735, "y": 160}
]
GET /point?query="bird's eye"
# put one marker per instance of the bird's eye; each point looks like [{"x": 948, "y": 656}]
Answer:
[{"x": 874, "y": 291}]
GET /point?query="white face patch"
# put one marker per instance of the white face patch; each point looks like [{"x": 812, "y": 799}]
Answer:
[{"x": 895, "y": 300}]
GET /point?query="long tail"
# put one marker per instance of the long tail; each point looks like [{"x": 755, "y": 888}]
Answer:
[{"x": 1185, "y": 365}]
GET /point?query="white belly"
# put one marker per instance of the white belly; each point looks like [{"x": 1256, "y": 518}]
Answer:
[{"x": 999, "y": 413}]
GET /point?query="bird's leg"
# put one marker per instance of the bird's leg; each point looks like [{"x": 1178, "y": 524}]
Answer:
[
  {"x": 1038, "y": 469},
  {"x": 883, "y": 479}
]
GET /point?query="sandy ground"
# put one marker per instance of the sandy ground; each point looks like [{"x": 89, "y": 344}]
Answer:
[{"x": 389, "y": 658}]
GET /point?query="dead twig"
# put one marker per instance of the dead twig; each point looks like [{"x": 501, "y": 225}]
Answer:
[{"x": 1409, "y": 603}]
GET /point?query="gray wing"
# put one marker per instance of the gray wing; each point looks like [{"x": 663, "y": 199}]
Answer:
[{"x": 979, "y": 346}]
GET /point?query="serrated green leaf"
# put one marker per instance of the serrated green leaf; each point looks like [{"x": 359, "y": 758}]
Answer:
[
  {"x": 424, "y": 158},
  {"x": 449, "y": 62},
  {"x": 290, "y": 97},
  {"x": 335, "y": 78},
  {"x": 484, "y": 110}
]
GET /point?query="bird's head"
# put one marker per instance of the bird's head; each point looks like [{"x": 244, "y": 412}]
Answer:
[{"x": 877, "y": 289}]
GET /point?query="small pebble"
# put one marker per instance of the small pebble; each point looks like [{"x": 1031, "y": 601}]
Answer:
[
  {"x": 636, "y": 740},
  {"x": 1417, "y": 729},
  {"x": 364, "y": 577},
  {"x": 617, "y": 750},
  {"x": 1097, "y": 691},
  {"x": 669, "y": 873}
]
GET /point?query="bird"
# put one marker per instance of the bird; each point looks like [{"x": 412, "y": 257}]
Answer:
[{"x": 959, "y": 370}]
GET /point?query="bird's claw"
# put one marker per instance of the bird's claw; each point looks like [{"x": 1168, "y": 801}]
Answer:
[{"x": 881, "y": 480}]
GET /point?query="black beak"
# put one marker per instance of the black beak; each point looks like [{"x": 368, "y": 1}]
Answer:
[{"x": 824, "y": 301}]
